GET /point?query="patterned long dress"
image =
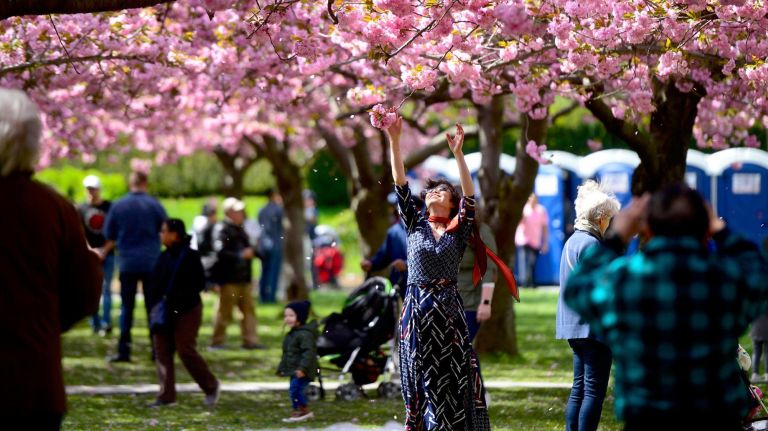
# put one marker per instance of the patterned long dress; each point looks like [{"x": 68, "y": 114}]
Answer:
[{"x": 441, "y": 382}]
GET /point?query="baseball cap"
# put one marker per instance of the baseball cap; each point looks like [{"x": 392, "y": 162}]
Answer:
[
  {"x": 92, "y": 182},
  {"x": 233, "y": 204}
]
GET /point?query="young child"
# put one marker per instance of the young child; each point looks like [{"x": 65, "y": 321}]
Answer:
[{"x": 299, "y": 360}]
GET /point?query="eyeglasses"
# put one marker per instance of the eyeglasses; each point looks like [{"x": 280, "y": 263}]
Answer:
[{"x": 440, "y": 188}]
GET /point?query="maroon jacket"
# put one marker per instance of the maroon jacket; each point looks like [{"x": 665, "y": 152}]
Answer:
[{"x": 48, "y": 281}]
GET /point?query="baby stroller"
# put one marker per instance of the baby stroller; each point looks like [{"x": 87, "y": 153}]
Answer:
[
  {"x": 354, "y": 340},
  {"x": 328, "y": 260}
]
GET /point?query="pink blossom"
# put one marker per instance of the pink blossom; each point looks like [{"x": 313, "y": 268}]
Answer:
[
  {"x": 143, "y": 166},
  {"x": 382, "y": 117},
  {"x": 594, "y": 145},
  {"x": 752, "y": 141},
  {"x": 419, "y": 77},
  {"x": 535, "y": 151}
]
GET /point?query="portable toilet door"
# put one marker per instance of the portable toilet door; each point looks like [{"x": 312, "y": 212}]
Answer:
[
  {"x": 741, "y": 176},
  {"x": 613, "y": 169},
  {"x": 569, "y": 164},
  {"x": 697, "y": 173},
  {"x": 550, "y": 190}
]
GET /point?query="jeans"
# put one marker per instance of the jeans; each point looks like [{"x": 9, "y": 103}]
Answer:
[
  {"x": 128, "y": 285},
  {"x": 297, "y": 390},
  {"x": 527, "y": 263},
  {"x": 591, "y": 369},
  {"x": 270, "y": 275},
  {"x": 758, "y": 347},
  {"x": 105, "y": 320},
  {"x": 472, "y": 324}
]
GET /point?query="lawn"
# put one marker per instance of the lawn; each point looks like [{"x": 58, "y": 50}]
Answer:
[{"x": 542, "y": 359}]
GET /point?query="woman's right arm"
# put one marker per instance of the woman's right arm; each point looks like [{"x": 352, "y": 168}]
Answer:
[{"x": 396, "y": 158}]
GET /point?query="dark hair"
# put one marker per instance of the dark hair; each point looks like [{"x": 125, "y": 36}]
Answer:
[
  {"x": 177, "y": 226},
  {"x": 434, "y": 182},
  {"x": 677, "y": 210},
  {"x": 138, "y": 179}
]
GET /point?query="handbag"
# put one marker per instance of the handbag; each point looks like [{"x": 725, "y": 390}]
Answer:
[{"x": 158, "y": 315}]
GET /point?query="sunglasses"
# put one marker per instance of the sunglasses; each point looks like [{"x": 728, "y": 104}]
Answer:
[{"x": 440, "y": 188}]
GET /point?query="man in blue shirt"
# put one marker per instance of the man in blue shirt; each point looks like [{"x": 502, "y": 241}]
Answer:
[
  {"x": 133, "y": 227},
  {"x": 271, "y": 246}
]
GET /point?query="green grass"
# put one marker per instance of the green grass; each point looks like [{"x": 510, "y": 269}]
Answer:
[
  {"x": 542, "y": 358},
  {"x": 510, "y": 410},
  {"x": 340, "y": 218}
]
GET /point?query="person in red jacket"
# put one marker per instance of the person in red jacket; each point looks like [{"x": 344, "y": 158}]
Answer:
[{"x": 49, "y": 278}]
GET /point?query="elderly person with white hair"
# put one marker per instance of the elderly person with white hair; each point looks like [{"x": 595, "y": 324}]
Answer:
[
  {"x": 49, "y": 279},
  {"x": 591, "y": 357}
]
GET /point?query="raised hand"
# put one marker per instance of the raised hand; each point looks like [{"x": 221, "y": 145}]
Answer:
[
  {"x": 393, "y": 131},
  {"x": 455, "y": 143}
]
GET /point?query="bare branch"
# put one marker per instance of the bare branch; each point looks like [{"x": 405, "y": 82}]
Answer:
[
  {"x": 331, "y": 13},
  {"x": 572, "y": 107},
  {"x": 46, "y": 7}
]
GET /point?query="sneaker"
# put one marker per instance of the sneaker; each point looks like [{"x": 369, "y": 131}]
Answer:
[
  {"x": 765, "y": 378},
  {"x": 212, "y": 398},
  {"x": 159, "y": 403},
  {"x": 292, "y": 417},
  {"x": 119, "y": 358},
  {"x": 304, "y": 416},
  {"x": 754, "y": 378},
  {"x": 254, "y": 346},
  {"x": 215, "y": 347}
]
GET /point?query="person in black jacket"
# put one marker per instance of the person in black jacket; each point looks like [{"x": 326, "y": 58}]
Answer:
[
  {"x": 232, "y": 273},
  {"x": 179, "y": 278}
]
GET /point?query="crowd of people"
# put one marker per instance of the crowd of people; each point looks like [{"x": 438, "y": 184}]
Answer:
[{"x": 668, "y": 316}]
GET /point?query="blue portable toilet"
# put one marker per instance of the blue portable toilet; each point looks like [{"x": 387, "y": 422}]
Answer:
[
  {"x": 697, "y": 173},
  {"x": 613, "y": 169},
  {"x": 740, "y": 177},
  {"x": 556, "y": 185}
]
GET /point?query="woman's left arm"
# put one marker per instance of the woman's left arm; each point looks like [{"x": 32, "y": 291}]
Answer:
[{"x": 455, "y": 143}]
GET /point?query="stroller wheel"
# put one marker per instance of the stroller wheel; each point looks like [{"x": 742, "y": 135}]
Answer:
[
  {"x": 312, "y": 392},
  {"x": 389, "y": 390},
  {"x": 348, "y": 392}
]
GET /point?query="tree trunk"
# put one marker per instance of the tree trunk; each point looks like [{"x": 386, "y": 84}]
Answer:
[
  {"x": 9, "y": 8},
  {"x": 503, "y": 198},
  {"x": 671, "y": 130},
  {"x": 662, "y": 154},
  {"x": 368, "y": 193},
  {"x": 289, "y": 182},
  {"x": 235, "y": 166}
]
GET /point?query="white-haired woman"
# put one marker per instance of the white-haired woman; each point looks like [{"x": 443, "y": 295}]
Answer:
[{"x": 591, "y": 357}]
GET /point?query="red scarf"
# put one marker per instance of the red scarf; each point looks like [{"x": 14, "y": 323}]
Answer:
[{"x": 481, "y": 259}]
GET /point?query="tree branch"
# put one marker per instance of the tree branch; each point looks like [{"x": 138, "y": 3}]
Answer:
[
  {"x": 66, "y": 60},
  {"x": 9, "y": 8},
  {"x": 573, "y": 106},
  {"x": 623, "y": 130},
  {"x": 338, "y": 151}
]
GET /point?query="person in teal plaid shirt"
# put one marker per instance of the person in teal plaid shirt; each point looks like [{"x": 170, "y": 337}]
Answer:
[{"x": 673, "y": 312}]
